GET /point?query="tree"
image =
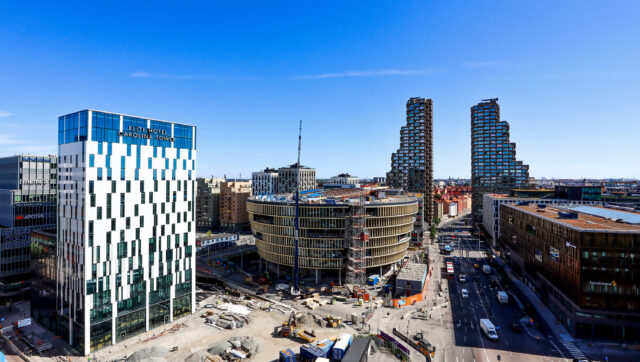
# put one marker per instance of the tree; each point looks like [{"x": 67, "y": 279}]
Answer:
[{"x": 433, "y": 232}]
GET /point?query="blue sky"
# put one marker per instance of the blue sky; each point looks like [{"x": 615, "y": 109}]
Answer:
[{"x": 566, "y": 72}]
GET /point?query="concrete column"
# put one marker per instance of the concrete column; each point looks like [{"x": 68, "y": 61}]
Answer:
[
  {"x": 278, "y": 271},
  {"x": 317, "y": 270},
  {"x": 380, "y": 271},
  {"x": 339, "y": 276}
]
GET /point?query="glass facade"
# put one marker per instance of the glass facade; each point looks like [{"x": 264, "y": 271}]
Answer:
[
  {"x": 105, "y": 127},
  {"x": 133, "y": 122},
  {"x": 118, "y": 160},
  {"x": 28, "y": 194},
  {"x": 163, "y": 127},
  {"x": 73, "y": 127}
]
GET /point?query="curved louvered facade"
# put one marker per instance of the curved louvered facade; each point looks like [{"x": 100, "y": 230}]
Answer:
[{"x": 322, "y": 232}]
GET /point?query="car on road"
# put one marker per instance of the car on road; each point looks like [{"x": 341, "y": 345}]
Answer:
[
  {"x": 515, "y": 326},
  {"x": 488, "y": 329},
  {"x": 476, "y": 265},
  {"x": 465, "y": 293},
  {"x": 462, "y": 278}
]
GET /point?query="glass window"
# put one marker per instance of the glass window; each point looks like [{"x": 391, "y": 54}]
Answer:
[
  {"x": 161, "y": 134},
  {"x": 105, "y": 127},
  {"x": 183, "y": 136},
  {"x": 135, "y": 129},
  {"x": 91, "y": 160}
]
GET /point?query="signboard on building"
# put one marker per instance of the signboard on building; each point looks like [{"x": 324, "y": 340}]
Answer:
[
  {"x": 39, "y": 181},
  {"x": 148, "y": 133}
]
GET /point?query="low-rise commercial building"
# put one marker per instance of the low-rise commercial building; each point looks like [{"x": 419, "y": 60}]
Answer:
[
  {"x": 208, "y": 242},
  {"x": 345, "y": 179},
  {"x": 410, "y": 280},
  {"x": 491, "y": 210},
  {"x": 583, "y": 267}
]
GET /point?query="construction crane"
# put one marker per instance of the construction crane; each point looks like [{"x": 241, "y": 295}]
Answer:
[{"x": 295, "y": 289}]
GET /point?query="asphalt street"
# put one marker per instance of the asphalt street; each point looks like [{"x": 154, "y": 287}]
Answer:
[{"x": 468, "y": 341}]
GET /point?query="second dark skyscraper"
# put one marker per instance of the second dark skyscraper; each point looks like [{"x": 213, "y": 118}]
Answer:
[{"x": 412, "y": 164}]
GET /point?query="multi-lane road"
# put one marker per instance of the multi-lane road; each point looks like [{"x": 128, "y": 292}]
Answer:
[{"x": 468, "y": 341}]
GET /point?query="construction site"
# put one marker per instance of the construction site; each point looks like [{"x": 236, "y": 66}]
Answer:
[
  {"x": 321, "y": 282},
  {"x": 344, "y": 234}
]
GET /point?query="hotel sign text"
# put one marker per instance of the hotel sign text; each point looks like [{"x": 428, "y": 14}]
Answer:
[{"x": 147, "y": 133}]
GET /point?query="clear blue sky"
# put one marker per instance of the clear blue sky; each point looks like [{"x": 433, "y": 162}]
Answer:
[{"x": 567, "y": 74}]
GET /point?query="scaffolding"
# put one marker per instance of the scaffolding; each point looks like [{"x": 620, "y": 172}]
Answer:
[{"x": 356, "y": 238}]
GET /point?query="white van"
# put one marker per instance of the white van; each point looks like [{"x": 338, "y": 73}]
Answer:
[{"x": 489, "y": 329}]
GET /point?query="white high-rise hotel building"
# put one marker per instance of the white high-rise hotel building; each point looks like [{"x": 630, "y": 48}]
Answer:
[{"x": 126, "y": 226}]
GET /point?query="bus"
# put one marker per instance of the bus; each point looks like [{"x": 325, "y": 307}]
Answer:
[{"x": 450, "y": 271}]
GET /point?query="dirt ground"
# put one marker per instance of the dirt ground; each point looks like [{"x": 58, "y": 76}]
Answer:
[{"x": 194, "y": 336}]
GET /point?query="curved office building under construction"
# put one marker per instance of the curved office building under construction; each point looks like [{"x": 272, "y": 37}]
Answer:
[{"x": 345, "y": 230}]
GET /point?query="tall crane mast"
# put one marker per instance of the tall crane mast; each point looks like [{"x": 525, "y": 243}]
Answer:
[{"x": 295, "y": 289}]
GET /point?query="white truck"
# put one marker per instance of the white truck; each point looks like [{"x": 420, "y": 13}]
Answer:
[
  {"x": 503, "y": 297},
  {"x": 486, "y": 269},
  {"x": 488, "y": 329}
]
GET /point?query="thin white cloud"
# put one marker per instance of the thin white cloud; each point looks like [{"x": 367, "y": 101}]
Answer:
[
  {"x": 10, "y": 144},
  {"x": 5, "y": 114},
  {"x": 371, "y": 73},
  {"x": 6, "y": 139},
  {"x": 166, "y": 76}
]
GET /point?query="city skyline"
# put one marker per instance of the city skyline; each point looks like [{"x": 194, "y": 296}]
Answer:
[{"x": 246, "y": 90}]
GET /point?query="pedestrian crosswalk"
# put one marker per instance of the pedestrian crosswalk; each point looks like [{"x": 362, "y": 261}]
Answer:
[{"x": 575, "y": 351}]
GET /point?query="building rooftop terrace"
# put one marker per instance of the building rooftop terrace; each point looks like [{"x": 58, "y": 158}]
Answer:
[{"x": 581, "y": 222}]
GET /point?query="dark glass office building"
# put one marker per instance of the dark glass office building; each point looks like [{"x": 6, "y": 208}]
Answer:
[
  {"x": 28, "y": 190},
  {"x": 412, "y": 164},
  {"x": 494, "y": 168}
]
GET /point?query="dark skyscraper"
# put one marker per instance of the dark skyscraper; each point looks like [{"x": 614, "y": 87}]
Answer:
[
  {"x": 412, "y": 164},
  {"x": 494, "y": 168}
]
